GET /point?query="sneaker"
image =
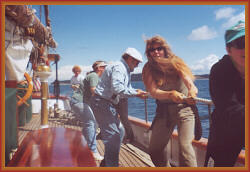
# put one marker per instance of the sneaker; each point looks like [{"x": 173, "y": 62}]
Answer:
[{"x": 97, "y": 156}]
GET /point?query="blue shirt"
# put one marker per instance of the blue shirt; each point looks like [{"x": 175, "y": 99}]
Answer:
[{"x": 115, "y": 83}]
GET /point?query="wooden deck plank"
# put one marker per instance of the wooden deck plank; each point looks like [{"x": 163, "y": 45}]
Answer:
[
  {"x": 124, "y": 155},
  {"x": 138, "y": 160},
  {"x": 133, "y": 158},
  {"x": 32, "y": 125},
  {"x": 130, "y": 159},
  {"x": 100, "y": 147},
  {"x": 126, "y": 159},
  {"x": 123, "y": 161}
]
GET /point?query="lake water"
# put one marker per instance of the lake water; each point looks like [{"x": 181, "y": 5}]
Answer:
[{"x": 136, "y": 106}]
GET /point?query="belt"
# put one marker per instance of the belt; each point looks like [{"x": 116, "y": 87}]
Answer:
[{"x": 100, "y": 97}]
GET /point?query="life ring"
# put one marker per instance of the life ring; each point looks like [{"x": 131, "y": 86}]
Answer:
[{"x": 29, "y": 90}]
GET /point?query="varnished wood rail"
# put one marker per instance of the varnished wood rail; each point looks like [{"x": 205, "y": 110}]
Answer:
[{"x": 53, "y": 147}]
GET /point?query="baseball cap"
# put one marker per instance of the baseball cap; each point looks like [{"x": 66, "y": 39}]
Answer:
[
  {"x": 102, "y": 64},
  {"x": 235, "y": 32},
  {"x": 98, "y": 64},
  {"x": 134, "y": 53}
]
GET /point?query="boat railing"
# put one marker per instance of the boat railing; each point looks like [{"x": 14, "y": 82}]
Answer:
[{"x": 209, "y": 104}]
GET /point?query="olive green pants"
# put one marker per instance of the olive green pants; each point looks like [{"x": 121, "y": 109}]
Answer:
[{"x": 183, "y": 117}]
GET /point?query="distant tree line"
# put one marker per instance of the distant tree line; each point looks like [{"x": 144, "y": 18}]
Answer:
[{"x": 138, "y": 77}]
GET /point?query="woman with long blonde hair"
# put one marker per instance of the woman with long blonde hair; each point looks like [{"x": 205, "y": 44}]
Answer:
[{"x": 169, "y": 80}]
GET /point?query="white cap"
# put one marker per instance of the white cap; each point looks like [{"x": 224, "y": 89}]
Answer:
[
  {"x": 101, "y": 64},
  {"x": 134, "y": 53}
]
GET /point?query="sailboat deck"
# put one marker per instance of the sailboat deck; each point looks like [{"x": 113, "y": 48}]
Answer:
[{"x": 130, "y": 156}]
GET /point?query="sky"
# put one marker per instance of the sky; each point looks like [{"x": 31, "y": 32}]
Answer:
[{"x": 87, "y": 33}]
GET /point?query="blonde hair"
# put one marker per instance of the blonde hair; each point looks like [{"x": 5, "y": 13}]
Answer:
[
  {"x": 76, "y": 67},
  {"x": 171, "y": 64}
]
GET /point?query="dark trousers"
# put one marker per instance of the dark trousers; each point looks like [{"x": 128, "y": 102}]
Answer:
[
  {"x": 225, "y": 141},
  {"x": 122, "y": 110}
]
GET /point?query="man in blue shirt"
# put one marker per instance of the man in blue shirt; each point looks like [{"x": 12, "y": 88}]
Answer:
[{"x": 114, "y": 84}]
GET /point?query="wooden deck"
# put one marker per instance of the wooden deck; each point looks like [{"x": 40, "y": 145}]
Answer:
[{"x": 130, "y": 156}]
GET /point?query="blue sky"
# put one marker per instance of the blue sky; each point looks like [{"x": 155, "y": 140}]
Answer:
[{"x": 86, "y": 33}]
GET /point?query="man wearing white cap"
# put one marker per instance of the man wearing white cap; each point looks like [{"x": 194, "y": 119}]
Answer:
[
  {"x": 80, "y": 105},
  {"x": 227, "y": 90},
  {"x": 114, "y": 84}
]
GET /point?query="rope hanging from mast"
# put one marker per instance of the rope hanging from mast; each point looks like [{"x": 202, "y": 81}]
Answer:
[{"x": 26, "y": 18}]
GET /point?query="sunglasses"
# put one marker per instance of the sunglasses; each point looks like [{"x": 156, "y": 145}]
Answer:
[
  {"x": 158, "y": 49},
  {"x": 136, "y": 61},
  {"x": 238, "y": 43}
]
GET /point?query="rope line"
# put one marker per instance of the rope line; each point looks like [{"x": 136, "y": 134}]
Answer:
[{"x": 197, "y": 99}]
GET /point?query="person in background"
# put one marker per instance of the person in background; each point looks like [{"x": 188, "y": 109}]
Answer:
[
  {"x": 77, "y": 78},
  {"x": 168, "y": 79},
  {"x": 227, "y": 90},
  {"x": 80, "y": 106},
  {"x": 114, "y": 84}
]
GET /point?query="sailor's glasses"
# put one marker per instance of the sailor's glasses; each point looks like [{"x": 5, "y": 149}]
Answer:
[
  {"x": 238, "y": 43},
  {"x": 158, "y": 49},
  {"x": 136, "y": 62}
]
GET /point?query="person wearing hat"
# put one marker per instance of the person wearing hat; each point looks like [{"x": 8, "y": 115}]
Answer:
[
  {"x": 168, "y": 79},
  {"x": 227, "y": 90},
  {"x": 80, "y": 105},
  {"x": 114, "y": 84}
]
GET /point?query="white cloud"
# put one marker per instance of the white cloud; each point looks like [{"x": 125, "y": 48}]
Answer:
[
  {"x": 203, "y": 66},
  {"x": 226, "y": 12},
  {"x": 65, "y": 72},
  {"x": 199, "y": 67},
  {"x": 202, "y": 33},
  {"x": 206, "y": 33},
  {"x": 233, "y": 20}
]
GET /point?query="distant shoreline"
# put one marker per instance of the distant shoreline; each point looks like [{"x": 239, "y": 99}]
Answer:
[{"x": 136, "y": 77}]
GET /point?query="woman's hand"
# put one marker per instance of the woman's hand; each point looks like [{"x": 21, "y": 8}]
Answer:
[
  {"x": 176, "y": 96},
  {"x": 76, "y": 86},
  {"x": 190, "y": 98}
]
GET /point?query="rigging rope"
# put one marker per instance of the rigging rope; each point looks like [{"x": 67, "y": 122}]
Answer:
[{"x": 197, "y": 99}]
